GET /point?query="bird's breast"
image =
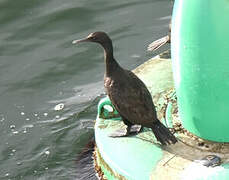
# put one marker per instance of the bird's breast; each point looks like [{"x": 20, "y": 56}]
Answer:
[{"x": 112, "y": 87}]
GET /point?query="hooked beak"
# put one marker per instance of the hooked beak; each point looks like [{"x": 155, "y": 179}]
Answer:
[{"x": 80, "y": 40}]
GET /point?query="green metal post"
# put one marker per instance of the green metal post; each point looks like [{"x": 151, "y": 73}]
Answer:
[{"x": 200, "y": 55}]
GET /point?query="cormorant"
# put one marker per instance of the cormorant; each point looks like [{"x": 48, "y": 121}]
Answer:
[{"x": 128, "y": 93}]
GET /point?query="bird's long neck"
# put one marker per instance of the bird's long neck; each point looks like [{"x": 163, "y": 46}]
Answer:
[{"x": 110, "y": 62}]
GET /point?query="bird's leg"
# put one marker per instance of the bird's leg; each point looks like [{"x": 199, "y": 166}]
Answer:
[
  {"x": 140, "y": 129},
  {"x": 128, "y": 124},
  {"x": 130, "y": 130},
  {"x": 122, "y": 132}
]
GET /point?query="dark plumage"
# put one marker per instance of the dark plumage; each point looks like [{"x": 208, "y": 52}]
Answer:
[{"x": 128, "y": 93}]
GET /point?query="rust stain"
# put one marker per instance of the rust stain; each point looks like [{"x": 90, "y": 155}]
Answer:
[{"x": 98, "y": 160}]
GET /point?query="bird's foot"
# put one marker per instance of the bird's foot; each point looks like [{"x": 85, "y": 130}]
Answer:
[
  {"x": 119, "y": 133},
  {"x": 129, "y": 131},
  {"x": 135, "y": 129}
]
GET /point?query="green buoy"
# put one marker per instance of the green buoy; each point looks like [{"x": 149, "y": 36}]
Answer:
[{"x": 200, "y": 46}]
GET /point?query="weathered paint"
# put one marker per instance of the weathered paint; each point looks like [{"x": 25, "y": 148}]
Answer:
[{"x": 140, "y": 157}]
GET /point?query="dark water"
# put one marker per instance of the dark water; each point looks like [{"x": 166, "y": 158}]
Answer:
[{"x": 40, "y": 68}]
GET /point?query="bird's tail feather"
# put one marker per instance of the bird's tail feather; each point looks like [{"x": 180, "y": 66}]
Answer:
[
  {"x": 158, "y": 43},
  {"x": 162, "y": 133}
]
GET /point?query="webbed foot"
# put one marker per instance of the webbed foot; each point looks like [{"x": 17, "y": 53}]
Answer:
[
  {"x": 129, "y": 131},
  {"x": 119, "y": 133}
]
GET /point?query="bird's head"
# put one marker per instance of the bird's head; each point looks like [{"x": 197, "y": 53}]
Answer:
[{"x": 97, "y": 37}]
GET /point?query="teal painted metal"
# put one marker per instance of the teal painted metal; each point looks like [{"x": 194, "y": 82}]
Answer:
[
  {"x": 168, "y": 115},
  {"x": 200, "y": 55},
  {"x": 131, "y": 157},
  {"x": 106, "y": 110},
  {"x": 197, "y": 172},
  {"x": 137, "y": 157}
]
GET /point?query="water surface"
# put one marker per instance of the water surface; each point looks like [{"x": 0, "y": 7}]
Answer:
[{"x": 40, "y": 68}]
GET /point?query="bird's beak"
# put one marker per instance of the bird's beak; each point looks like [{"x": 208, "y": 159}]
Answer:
[{"x": 80, "y": 40}]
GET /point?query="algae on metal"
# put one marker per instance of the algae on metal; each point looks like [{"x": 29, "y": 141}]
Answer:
[
  {"x": 125, "y": 157},
  {"x": 103, "y": 169}
]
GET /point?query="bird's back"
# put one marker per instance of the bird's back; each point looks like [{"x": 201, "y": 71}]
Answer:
[{"x": 130, "y": 97}]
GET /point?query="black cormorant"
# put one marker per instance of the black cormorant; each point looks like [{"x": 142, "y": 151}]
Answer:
[{"x": 128, "y": 93}]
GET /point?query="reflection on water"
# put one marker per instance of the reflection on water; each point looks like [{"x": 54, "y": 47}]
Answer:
[{"x": 40, "y": 68}]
